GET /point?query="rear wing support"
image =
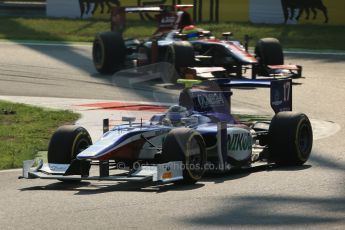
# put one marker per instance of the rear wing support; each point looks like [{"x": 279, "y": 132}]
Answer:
[{"x": 281, "y": 95}]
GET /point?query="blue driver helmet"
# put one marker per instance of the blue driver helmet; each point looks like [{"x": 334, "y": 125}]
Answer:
[{"x": 175, "y": 114}]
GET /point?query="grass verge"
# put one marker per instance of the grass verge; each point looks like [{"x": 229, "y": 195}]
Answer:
[
  {"x": 27, "y": 131},
  {"x": 23, "y": 0},
  {"x": 314, "y": 37}
]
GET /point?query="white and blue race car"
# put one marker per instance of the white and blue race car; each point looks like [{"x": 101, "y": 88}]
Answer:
[{"x": 199, "y": 134}]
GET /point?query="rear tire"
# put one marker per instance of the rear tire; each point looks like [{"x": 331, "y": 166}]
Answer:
[
  {"x": 188, "y": 146},
  {"x": 290, "y": 138},
  {"x": 268, "y": 51},
  {"x": 108, "y": 52},
  {"x": 180, "y": 55}
]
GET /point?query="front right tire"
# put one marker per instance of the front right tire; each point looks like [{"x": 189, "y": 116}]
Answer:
[
  {"x": 181, "y": 55},
  {"x": 188, "y": 146},
  {"x": 268, "y": 51},
  {"x": 66, "y": 142}
]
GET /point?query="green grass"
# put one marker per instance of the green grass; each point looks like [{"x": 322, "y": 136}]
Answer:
[
  {"x": 314, "y": 37},
  {"x": 23, "y": 0},
  {"x": 25, "y": 133}
]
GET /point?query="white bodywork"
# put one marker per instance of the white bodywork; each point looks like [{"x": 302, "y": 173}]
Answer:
[{"x": 239, "y": 143}]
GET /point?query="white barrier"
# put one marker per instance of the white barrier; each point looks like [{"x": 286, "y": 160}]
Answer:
[
  {"x": 266, "y": 11},
  {"x": 65, "y": 9}
]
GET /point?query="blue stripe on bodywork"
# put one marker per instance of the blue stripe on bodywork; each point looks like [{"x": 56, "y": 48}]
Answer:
[
  {"x": 112, "y": 139},
  {"x": 242, "y": 83}
]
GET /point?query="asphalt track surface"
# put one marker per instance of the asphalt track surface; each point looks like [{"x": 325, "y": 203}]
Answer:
[{"x": 307, "y": 197}]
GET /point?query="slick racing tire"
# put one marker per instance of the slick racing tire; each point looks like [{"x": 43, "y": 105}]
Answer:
[
  {"x": 108, "y": 52},
  {"x": 188, "y": 146},
  {"x": 66, "y": 143},
  {"x": 180, "y": 54},
  {"x": 290, "y": 138},
  {"x": 268, "y": 51}
]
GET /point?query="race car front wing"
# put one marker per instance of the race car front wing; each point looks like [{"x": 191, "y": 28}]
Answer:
[{"x": 164, "y": 173}]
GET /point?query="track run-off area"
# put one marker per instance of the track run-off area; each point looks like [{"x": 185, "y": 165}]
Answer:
[{"x": 62, "y": 76}]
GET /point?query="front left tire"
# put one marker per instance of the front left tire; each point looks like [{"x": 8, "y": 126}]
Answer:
[
  {"x": 108, "y": 52},
  {"x": 290, "y": 138}
]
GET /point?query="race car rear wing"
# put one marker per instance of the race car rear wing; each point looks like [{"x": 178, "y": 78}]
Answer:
[
  {"x": 280, "y": 91},
  {"x": 152, "y": 9},
  {"x": 215, "y": 95},
  {"x": 144, "y": 9},
  {"x": 167, "y": 14},
  {"x": 118, "y": 15}
]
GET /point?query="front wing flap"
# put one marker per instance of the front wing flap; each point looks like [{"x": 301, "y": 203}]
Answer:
[{"x": 164, "y": 173}]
